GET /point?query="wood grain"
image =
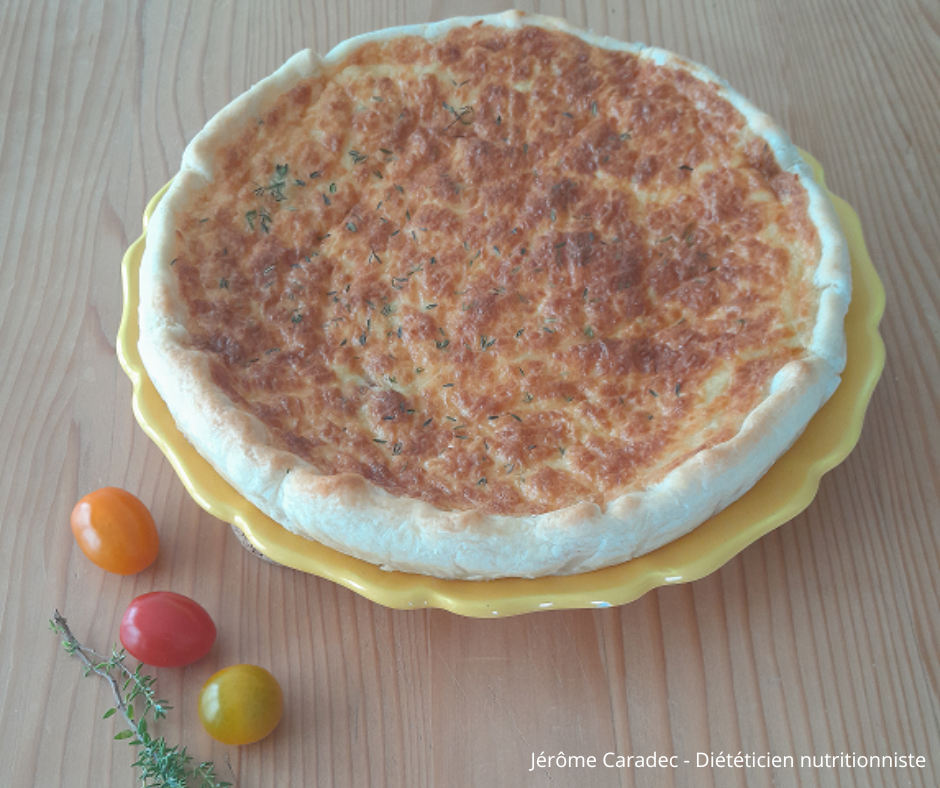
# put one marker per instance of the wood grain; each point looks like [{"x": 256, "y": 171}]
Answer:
[{"x": 822, "y": 638}]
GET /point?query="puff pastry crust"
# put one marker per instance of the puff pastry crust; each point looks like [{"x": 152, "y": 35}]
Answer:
[{"x": 493, "y": 297}]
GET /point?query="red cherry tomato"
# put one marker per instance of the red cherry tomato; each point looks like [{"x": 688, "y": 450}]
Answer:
[
  {"x": 115, "y": 530},
  {"x": 167, "y": 630},
  {"x": 241, "y": 704}
]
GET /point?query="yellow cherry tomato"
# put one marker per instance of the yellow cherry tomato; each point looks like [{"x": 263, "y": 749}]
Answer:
[
  {"x": 115, "y": 530},
  {"x": 241, "y": 704}
]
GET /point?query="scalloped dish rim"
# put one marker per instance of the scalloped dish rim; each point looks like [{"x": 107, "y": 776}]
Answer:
[{"x": 784, "y": 492}]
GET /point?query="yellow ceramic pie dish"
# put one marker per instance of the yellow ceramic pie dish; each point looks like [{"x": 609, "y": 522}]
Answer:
[{"x": 785, "y": 491}]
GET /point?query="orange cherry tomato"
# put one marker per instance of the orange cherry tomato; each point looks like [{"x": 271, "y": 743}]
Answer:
[
  {"x": 115, "y": 530},
  {"x": 241, "y": 704}
]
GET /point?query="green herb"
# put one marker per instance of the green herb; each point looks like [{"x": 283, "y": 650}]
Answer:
[
  {"x": 277, "y": 184},
  {"x": 250, "y": 218},
  {"x": 357, "y": 157},
  {"x": 351, "y": 227},
  {"x": 296, "y": 317},
  {"x": 459, "y": 115},
  {"x": 223, "y": 283},
  {"x": 332, "y": 188},
  {"x": 314, "y": 175},
  {"x": 589, "y": 332},
  {"x": 594, "y": 108},
  {"x": 161, "y": 766},
  {"x": 686, "y": 167},
  {"x": 377, "y": 174}
]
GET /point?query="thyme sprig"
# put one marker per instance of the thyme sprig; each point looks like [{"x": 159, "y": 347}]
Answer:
[{"x": 161, "y": 766}]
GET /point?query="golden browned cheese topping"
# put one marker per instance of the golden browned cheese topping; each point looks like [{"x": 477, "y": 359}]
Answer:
[{"x": 505, "y": 270}]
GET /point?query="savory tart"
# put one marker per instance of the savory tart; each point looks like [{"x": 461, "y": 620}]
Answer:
[{"x": 493, "y": 297}]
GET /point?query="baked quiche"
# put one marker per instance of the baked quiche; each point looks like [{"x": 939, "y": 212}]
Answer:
[{"x": 493, "y": 297}]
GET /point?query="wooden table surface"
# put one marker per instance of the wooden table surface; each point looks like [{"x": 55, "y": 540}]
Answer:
[{"x": 822, "y": 638}]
